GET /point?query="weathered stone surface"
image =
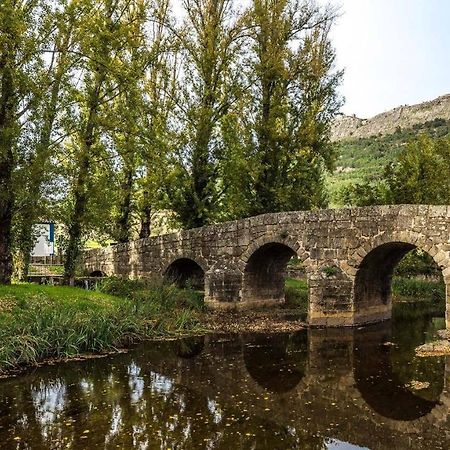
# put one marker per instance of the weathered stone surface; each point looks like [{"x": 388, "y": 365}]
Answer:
[
  {"x": 352, "y": 127},
  {"x": 437, "y": 348},
  {"x": 349, "y": 256}
]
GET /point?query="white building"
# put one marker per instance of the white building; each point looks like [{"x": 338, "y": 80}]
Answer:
[{"x": 45, "y": 242}]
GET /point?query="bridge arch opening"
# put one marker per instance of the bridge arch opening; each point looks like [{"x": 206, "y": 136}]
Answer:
[
  {"x": 265, "y": 273},
  {"x": 97, "y": 274},
  {"x": 185, "y": 272},
  {"x": 394, "y": 261}
]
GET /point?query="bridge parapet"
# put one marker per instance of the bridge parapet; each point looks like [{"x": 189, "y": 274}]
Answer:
[{"x": 349, "y": 256}]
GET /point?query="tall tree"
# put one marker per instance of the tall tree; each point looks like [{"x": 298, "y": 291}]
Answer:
[
  {"x": 23, "y": 33},
  {"x": 294, "y": 100},
  {"x": 209, "y": 43},
  {"x": 105, "y": 69},
  {"x": 141, "y": 139},
  {"x": 36, "y": 173}
]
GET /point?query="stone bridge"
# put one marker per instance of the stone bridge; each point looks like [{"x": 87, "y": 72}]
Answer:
[{"x": 349, "y": 256}]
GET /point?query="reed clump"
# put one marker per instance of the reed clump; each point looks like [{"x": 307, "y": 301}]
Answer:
[{"x": 43, "y": 322}]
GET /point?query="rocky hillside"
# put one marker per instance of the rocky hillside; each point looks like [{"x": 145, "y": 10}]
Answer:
[{"x": 403, "y": 117}]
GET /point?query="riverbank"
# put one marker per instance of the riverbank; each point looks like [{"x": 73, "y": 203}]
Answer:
[{"x": 53, "y": 322}]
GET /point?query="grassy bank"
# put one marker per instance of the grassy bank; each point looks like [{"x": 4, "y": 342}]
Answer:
[
  {"x": 42, "y": 322},
  {"x": 296, "y": 294},
  {"x": 405, "y": 288}
]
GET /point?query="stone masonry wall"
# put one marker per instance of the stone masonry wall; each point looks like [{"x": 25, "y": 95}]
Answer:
[{"x": 349, "y": 255}]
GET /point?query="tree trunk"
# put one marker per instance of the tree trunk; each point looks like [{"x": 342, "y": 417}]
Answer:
[
  {"x": 146, "y": 218},
  {"x": 123, "y": 222},
  {"x": 7, "y": 136},
  {"x": 77, "y": 220},
  {"x": 80, "y": 192},
  {"x": 38, "y": 164}
]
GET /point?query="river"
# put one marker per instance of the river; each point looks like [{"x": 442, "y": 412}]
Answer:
[{"x": 315, "y": 389}]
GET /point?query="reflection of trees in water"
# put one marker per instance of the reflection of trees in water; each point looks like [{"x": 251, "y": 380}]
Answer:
[
  {"x": 189, "y": 347},
  {"x": 154, "y": 399},
  {"x": 277, "y": 363},
  {"x": 126, "y": 402},
  {"x": 382, "y": 371}
]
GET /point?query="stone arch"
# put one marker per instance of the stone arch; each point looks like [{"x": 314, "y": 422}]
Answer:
[
  {"x": 257, "y": 243},
  {"x": 185, "y": 271},
  {"x": 373, "y": 267},
  {"x": 264, "y": 269},
  {"x": 97, "y": 274}
]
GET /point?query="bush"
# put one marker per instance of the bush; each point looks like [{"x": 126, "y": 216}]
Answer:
[{"x": 161, "y": 295}]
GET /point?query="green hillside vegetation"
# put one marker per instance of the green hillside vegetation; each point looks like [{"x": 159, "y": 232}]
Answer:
[{"x": 364, "y": 160}]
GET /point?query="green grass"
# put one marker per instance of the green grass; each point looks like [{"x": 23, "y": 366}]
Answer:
[
  {"x": 404, "y": 289},
  {"x": 41, "y": 322},
  {"x": 296, "y": 294}
]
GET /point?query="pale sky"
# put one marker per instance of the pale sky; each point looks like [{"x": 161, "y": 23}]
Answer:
[{"x": 394, "y": 52}]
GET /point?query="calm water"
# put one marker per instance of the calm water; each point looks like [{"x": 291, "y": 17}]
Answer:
[{"x": 337, "y": 389}]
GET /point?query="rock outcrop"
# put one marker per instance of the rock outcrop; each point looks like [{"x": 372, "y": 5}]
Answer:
[{"x": 403, "y": 117}]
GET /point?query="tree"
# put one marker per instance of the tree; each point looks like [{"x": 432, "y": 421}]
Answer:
[
  {"x": 418, "y": 175},
  {"x": 106, "y": 69},
  {"x": 35, "y": 172},
  {"x": 156, "y": 136},
  {"x": 294, "y": 101},
  {"x": 209, "y": 45},
  {"x": 23, "y": 34}
]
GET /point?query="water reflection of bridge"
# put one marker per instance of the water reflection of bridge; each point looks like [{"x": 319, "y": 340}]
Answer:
[
  {"x": 345, "y": 377},
  {"x": 216, "y": 392}
]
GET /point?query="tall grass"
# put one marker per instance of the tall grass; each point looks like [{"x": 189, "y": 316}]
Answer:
[
  {"x": 404, "y": 288},
  {"x": 40, "y": 322}
]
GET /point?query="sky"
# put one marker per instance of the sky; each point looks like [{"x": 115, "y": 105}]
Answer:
[{"x": 394, "y": 52}]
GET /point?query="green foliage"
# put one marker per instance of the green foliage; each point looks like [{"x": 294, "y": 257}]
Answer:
[
  {"x": 165, "y": 296},
  {"x": 117, "y": 109},
  {"x": 330, "y": 271},
  {"x": 293, "y": 101},
  {"x": 418, "y": 262},
  {"x": 420, "y": 172},
  {"x": 389, "y": 169},
  {"x": 39, "y": 322},
  {"x": 209, "y": 42}
]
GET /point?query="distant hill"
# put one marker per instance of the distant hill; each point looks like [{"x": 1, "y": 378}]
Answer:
[
  {"x": 366, "y": 146},
  {"x": 403, "y": 117}
]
